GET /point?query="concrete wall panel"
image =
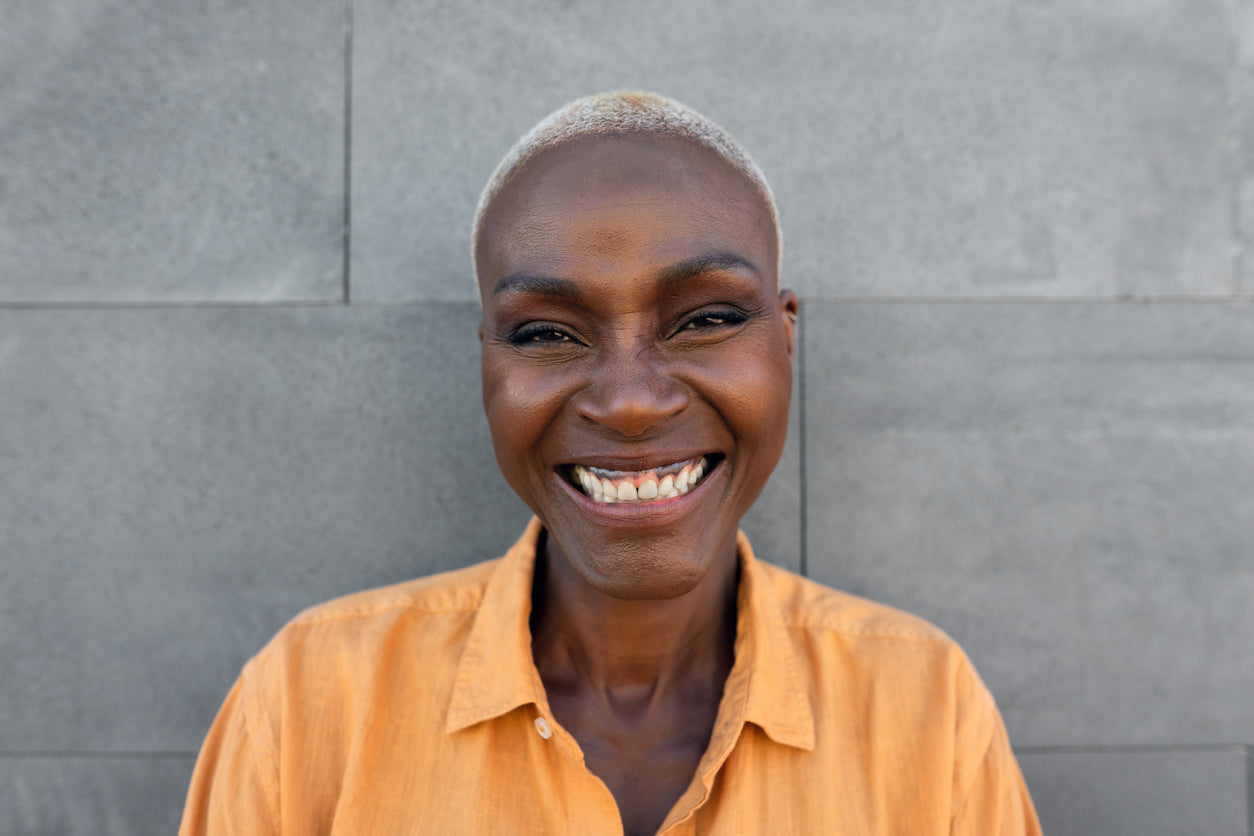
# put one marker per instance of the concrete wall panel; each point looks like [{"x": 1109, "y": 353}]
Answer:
[
  {"x": 180, "y": 483},
  {"x": 955, "y": 150},
  {"x": 1173, "y": 792},
  {"x": 1067, "y": 489},
  {"x": 93, "y": 796},
  {"x": 171, "y": 150}
]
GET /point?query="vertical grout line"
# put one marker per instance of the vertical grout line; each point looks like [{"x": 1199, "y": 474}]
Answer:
[
  {"x": 348, "y": 149},
  {"x": 799, "y": 331},
  {"x": 1249, "y": 789},
  {"x": 1236, "y": 143}
]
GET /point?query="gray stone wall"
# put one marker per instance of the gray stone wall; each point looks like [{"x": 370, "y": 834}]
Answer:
[{"x": 238, "y": 368}]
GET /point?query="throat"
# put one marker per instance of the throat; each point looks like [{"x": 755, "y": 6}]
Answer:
[
  {"x": 646, "y": 751},
  {"x": 632, "y": 653},
  {"x": 634, "y": 666},
  {"x": 643, "y": 720},
  {"x": 637, "y": 683}
]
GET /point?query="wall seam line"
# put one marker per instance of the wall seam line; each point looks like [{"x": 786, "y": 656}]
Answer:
[
  {"x": 140, "y": 305},
  {"x": 1130, "y": 748},
  {"x": 96, "y": 755},
  {"x": 1236, "y": 154},
  {"x": 90, "y": 304},
  {"x": 799, "y": 337},
  {"x": 347, "y": 240},
  {"x": 1249, "y": 790},
  {"x": 1121, "y": 299}
]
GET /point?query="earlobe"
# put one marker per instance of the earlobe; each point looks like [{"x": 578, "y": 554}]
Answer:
[{"x": 789, "y": 306}]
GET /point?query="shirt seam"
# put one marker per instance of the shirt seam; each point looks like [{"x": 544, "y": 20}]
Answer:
[
  {"x": 314, "y": 620},
  {"x": 967, "y": 791},
  {"x": 873, "y": 634},
  {"x": 989, "y": 719},
  {"x": 258, "y": 739}
]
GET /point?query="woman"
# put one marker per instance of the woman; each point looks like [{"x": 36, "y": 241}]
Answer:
[{"x": 628, "y": 666}]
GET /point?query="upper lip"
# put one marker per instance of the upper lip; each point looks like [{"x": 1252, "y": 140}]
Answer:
[{"x": 640, "y": 462}]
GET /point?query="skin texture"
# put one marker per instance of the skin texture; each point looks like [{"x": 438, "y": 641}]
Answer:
[{"x": 631, "y": 320}]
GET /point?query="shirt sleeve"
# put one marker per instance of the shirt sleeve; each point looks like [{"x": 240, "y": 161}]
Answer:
[
  {"x": 234, "y": 788},
  {"x": 996, "y": 802}
]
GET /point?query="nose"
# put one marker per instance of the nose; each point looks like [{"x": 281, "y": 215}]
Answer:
[{"x": 630, "y": 392}]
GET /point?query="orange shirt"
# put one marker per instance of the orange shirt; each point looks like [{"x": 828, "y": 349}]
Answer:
[{"x": 417, "y": 709}]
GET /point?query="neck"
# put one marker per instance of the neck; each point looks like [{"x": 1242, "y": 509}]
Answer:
[{"x": 628, "y": 652}]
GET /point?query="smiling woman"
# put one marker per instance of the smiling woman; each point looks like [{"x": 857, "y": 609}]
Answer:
[
  {"x": 628, "y": 666},
  {"x": 632, "y": 330}
]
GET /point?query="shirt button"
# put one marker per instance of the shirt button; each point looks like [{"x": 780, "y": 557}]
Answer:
[{"x": 542, "y": 726}]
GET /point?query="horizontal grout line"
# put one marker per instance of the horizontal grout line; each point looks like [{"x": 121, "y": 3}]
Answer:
[
  {"x": 1243, "y": 299},
  {"x": 232, "y": 305},
  {"x": 1240, "y": 299},
  {"x": 95, "y": 755},
  {"x": 413, "y": 303},
  {"x": 1134, "y": 748},
  {"x": 156, "y": 305}
]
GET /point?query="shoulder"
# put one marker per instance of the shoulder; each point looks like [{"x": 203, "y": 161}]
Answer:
[
  {"x": 856, "y": 640},
  {"x": 458, "y": 590},
  {"x": 809, "y": 605},
  {"x": 902, "y": 692},
  {"x": 427, "y": 610},
  {"x": 865, "y": 659}
]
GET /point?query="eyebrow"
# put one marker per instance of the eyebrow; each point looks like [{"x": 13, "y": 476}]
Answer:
[
  {"x": 700, "y": 265},
  {"x": 544, "y": 285},
  {"x": 676, "y": 273}
]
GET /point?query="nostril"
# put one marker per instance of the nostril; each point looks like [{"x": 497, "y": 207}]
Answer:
[{"x": 632, "y": 404}]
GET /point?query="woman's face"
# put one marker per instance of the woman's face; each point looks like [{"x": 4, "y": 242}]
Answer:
[{"x": 636, "y": 356}]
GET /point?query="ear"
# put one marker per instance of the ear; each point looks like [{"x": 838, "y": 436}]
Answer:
[
  {"x": 481, "y": 332},
  {"x": 788, "y": 307}
]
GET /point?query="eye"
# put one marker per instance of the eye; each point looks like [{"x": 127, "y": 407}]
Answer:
[
  {"x": 714, "y": 319},
  {"x": 539, "y": 333}
]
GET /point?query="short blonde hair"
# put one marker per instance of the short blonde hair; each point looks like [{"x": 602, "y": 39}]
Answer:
[{"x": 624, "y": 113}]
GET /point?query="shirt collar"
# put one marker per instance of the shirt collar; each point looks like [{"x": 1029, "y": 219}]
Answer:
[
  {"x": 496, "y": 673},
  {"x": 766, "y": 662}
]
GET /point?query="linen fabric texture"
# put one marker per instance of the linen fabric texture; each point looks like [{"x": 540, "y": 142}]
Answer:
[{"x": 417, "y": 708}]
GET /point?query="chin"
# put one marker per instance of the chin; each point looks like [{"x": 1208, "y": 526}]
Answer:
[{"x": 626, "y": 572}]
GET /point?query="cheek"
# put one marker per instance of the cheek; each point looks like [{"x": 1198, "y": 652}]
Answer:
[
  {"x": 520, "y": 403},
  {"x": 752, "y": 393},
  {"x": 752, "y": 397},
  {"x": 765, "y": 416}
]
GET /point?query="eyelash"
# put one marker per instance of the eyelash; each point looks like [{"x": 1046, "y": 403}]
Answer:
[
  {"x": 532, "y": 334},
  {"x": 715, "y": 319},
  {"x": 701, "y": 322}
]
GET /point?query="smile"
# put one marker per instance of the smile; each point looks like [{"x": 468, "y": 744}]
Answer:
[{"x": 615, "y": 487}]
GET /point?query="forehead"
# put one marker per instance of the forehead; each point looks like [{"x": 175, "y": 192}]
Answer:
[{"x": 599, "y": 200}]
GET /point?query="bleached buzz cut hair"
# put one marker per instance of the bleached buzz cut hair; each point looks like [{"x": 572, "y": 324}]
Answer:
[{"x": 620, "y": 114}]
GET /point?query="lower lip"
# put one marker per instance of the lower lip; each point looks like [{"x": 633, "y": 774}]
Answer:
[{"x": 651, "y": 512}]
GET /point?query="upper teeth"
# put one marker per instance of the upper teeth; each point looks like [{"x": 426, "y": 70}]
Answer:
[{"x": 612, "y": 486}]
